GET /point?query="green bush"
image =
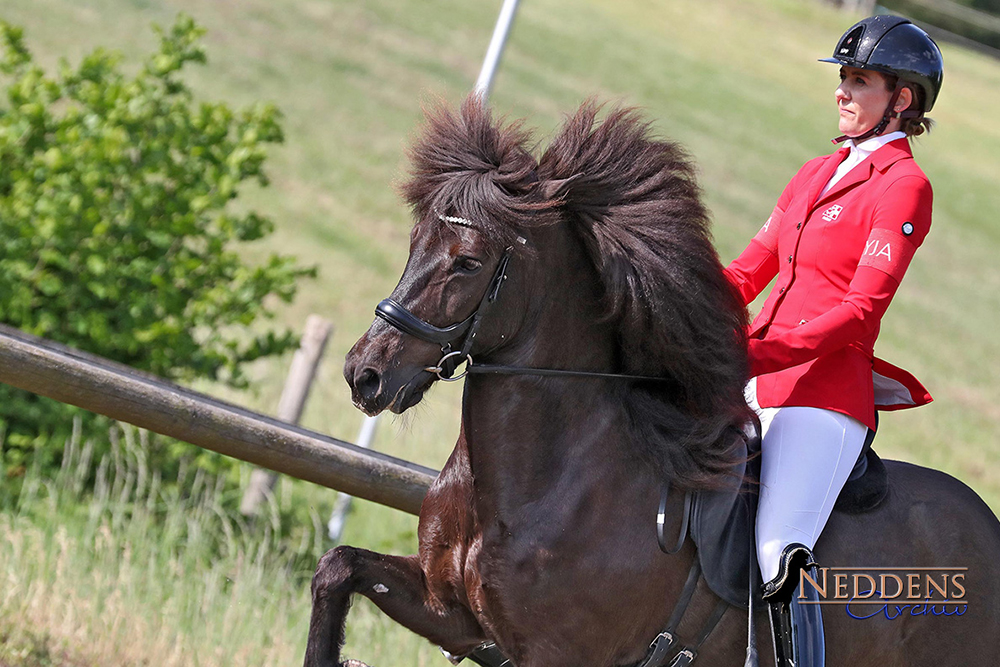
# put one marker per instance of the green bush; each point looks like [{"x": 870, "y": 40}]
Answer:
[{"x": 118, "y": 231}]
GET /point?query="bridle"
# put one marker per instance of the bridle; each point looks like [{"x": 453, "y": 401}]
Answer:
[
  {"x": 398, "y": 316},
  {"x": 454, "y": 352}
]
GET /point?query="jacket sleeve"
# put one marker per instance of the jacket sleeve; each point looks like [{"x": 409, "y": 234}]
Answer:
[
  {"x": 902, "y": 219},
  {"x": 751, "y": 272}
]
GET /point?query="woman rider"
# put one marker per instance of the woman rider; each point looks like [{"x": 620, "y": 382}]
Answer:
[{"x": 839, "y": 241}]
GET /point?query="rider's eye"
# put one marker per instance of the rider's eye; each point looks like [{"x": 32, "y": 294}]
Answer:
[{"x": 467, "y": 265}]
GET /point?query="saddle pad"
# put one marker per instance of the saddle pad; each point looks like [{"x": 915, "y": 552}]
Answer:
[{"x": 867, "y": 486}]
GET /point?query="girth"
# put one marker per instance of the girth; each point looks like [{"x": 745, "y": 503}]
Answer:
[{"x": 666, "y": 643}]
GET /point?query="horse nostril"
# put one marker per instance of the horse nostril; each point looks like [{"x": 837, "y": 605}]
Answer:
[{"x": 366, "y": 384}]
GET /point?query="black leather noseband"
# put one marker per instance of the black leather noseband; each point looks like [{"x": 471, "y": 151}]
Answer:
[{"x": 395, "y": 314}]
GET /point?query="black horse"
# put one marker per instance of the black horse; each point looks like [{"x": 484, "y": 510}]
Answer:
[{"x": 539, "y": 533}]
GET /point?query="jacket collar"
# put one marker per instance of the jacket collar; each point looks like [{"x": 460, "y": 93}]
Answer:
[
  {"x": 892, "y": 152},
  {"x": 881, "y": 159}
]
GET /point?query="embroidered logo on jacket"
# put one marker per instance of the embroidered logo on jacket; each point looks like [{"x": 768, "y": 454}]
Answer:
[{"x": 832, "y": 213}]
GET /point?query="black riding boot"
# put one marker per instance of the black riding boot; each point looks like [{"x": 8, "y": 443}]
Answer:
[{"x": 796, "y": 628}]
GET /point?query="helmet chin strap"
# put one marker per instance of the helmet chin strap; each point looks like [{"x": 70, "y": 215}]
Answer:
[{"x": 890, "y": 113}]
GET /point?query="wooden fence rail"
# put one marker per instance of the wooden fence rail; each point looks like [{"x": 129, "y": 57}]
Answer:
[{"x": 117, "y": 391}]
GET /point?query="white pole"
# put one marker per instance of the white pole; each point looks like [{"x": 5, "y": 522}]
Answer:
[
  {"x": 335, "y": 526},
  {"x": 485, "y": 82}
]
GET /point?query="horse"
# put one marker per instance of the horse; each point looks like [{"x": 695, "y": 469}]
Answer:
[{"x": 539, "y": 535}]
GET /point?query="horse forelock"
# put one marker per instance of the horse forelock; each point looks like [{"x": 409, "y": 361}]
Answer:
[
  {"x": 635, "y": 201},
  {"x": 473, "y": 166}
]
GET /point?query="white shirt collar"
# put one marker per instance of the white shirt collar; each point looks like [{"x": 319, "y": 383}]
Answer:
[
  {"x": 859, "y": 153},
  {"x": 869, "y": 146}
]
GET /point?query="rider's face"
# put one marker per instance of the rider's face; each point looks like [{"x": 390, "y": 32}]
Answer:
[{"x": 862, "y": 98}]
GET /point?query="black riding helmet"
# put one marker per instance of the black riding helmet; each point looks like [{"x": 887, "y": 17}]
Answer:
[{"x": 893, "y": 45}]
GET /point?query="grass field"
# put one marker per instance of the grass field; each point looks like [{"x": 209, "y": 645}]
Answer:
[{"x": 735, "y": 81}]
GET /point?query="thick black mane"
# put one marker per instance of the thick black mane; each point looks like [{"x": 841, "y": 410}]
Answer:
[{"x": 634, "y": 201}]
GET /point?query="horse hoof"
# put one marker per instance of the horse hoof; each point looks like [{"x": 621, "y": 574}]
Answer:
[{"x": 353, "y": 663}]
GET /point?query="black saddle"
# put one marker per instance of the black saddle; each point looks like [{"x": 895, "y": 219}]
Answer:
[{"x": 722, "y": 521}]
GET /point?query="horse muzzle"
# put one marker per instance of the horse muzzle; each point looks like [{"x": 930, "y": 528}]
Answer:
[{"x": 381, "y": 378}]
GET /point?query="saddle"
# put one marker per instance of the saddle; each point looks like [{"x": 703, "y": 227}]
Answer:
[{"x": 722, "y": 521}]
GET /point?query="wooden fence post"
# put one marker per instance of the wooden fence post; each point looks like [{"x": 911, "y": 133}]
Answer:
[{"x": 301, "y": 374}]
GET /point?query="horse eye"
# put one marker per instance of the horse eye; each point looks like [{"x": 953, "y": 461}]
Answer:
[{"x": 468, "y": 265}]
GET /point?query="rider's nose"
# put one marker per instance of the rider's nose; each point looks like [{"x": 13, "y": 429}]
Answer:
[{"x": 366, "y": 384}]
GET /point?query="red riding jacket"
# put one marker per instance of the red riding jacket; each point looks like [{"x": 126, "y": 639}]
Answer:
[{"x": 839, "y": 258}]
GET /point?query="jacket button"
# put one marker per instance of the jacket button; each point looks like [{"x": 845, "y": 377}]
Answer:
[
  {"x": 789, "y": 259},
  {"x": 798, "y": 226},
  {"x": 781, "y": 290}
]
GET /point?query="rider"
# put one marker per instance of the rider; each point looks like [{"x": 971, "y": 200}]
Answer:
[{"x": 839, "y": 241}]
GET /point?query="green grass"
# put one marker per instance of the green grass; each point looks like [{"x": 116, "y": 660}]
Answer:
[
  {"x": 735, "y": 81},
  {"x": 139, "y": 572},
  {"x": 103, "y": 567}
]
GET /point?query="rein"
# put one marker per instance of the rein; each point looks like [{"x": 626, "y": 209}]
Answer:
[{"x": 558, "y": 372}]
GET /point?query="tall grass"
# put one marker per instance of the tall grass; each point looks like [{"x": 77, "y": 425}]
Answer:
[
  {"x": 106, "y": 563},
  {"x": 137, "y": 572}
]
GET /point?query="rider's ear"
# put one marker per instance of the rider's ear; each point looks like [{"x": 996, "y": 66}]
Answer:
[{"x": 556, "y": 188}]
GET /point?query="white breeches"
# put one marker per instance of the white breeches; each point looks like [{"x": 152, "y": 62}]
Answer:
[{"x": 807, "y": 454}]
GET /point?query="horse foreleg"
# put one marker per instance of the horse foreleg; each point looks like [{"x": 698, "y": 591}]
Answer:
[{"x": 397, "y": 585}]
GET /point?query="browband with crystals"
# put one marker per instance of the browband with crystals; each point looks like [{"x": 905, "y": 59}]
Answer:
[
  {"x": 465, "y": 222},
  {"x": 455, "y": 219}
]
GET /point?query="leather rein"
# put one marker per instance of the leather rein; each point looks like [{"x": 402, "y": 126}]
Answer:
[{"x": 454, "y": 352}]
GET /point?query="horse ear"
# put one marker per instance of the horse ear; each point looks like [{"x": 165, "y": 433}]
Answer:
[{"x": 556, "y": 188}]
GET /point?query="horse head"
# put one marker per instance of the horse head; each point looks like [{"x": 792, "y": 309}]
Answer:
[
  {"x": 621, "y": 276},
  {"x": 475, "y": 195}
]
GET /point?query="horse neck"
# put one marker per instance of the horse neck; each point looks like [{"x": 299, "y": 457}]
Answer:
[
  {"x": 530, "y": 435},
  {"x": 563, "y": 324}
]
